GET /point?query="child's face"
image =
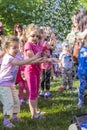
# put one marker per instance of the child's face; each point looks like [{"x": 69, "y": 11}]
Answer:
[
  {"x": 13, "y": 48},
  {"x": 66, "y": 48},
  {"x": 33, "y": 37}
]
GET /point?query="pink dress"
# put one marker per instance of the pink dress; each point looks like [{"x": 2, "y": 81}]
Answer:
[{"x": 33, "y": 71}]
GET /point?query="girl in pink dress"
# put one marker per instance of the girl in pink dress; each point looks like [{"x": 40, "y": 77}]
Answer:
[
  {"x": 32, "y": 72},
  {"x": 21, "y": 80}
]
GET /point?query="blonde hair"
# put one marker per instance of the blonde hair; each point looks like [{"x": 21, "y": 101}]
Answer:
[
  {"x": 7, "y": 40},
  {"x": 32, "y": 27}
]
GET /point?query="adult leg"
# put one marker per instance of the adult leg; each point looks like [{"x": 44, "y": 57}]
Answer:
[{"x": 83, "y": 85}]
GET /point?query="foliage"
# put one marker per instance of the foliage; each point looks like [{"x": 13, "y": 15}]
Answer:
[
  {"x": 54, "y": 13},
  {"x": 83, "y": 4}
]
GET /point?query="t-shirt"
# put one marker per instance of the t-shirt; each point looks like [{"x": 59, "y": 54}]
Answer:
[
  {"x": 66, "y": 60},
  {"x": 35, "y": 48},
  {"x": 8, "y": 71},
  {"x": 46, "y": 51}
]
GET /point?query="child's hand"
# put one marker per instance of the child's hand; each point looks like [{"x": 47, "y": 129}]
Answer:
[
  {"x": 39, "y": 60},
  {"x": 36, "y": 56},
  {"x": 85, "y": 53},
  {"x": 50, "y": 60},
  {"x": 43, "y": 59}
]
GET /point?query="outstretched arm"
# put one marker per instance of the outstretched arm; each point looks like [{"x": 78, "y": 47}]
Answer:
[{"x": 32, "y": 60}]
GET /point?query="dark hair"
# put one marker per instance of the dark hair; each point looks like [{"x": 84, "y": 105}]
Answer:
[
  {"x": 81, "y": 18},
  {"x": 19, "y": 26}
]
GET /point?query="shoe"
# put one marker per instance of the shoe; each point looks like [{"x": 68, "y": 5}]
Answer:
[
  {"x": 21, "y": 101},
  {"x": 47, "y": 94},
  {"x": 8, "y": 124},
  {"x": 42, "y": 93},
  {"x": 41, "y": 112},
  {"x": 17, "y": 119},
  {"x": 36, "y": 117}
]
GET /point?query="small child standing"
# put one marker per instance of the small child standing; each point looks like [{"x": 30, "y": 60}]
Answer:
[
  {"x": 82, "y": 72},
  {"x": 9, "y": 67},
  {"x": 20, "y": 79},
  {"x": 46, "y": 66},
  {"x": 66, "y": 65}
]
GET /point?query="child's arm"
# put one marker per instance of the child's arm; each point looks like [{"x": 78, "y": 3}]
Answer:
[
  {"x": 85, "y": 53},
  {"x": 34, "y": 60}
]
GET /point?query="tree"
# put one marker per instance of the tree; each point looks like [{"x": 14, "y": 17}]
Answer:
[{"x": 54, "y": 13}]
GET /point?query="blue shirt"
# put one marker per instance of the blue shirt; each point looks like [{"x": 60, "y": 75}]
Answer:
[{"x": 82, "y": 59}]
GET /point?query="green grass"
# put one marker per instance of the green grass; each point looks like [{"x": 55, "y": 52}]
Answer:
[{"x": 59, "y": 109}]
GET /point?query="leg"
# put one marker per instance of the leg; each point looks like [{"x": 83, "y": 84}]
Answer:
[
  {"x": 64, "y": 78},
  {"x": 16, "y": 106},
  {"x": 7, "y": 101},
  {"x": 48, "y": 74},
  {"x": 70, "y": 79},
  {"x": 27, "y": 92},
  {"x": 21, "y": 93},
  {"x": 32, "y": 84},
  {"x": 42, "y": 80},
  {"x": 42, "y": 83},
  {"x": 83, "y": 83}
]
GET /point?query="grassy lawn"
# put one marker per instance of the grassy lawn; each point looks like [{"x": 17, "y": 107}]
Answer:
[{"x": 59, "y": 110}]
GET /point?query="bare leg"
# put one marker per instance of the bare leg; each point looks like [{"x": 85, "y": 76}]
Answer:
[{"x": 33, "y": 107}]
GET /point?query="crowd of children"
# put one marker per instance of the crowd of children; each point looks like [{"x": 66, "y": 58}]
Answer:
[{"x": 31, "y": 57}]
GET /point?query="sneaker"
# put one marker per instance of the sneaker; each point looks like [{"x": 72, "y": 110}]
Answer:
[
  {"x": 41, "y": 112},
  {"x": 8, "y": 124},
  {"x": 36, "y": 117},
  {"x": 47, "y": 94},
  {"x": 21, "y": 101},
  {"x": 17, "y": 119},
  {"x": 42, "y": 93}
]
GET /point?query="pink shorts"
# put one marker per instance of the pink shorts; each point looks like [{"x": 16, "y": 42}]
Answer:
[{"x": 33, "y": 81}]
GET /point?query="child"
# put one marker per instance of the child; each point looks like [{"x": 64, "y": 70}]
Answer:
[
  {"x": 46, "y": 66},
  {"x": 66, "y": 65},
  {"x": 32, "y": 72},
  {"x": 82, "y": 72},
  {"x": 8, "y": 71},
  {"x": 20, "y": 80}
]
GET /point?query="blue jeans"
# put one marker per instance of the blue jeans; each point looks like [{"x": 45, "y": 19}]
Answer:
[{"x": 82, "y": 87}]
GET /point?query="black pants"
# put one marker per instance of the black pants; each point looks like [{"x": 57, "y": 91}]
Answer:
[{"x": 45, "y": 79}]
